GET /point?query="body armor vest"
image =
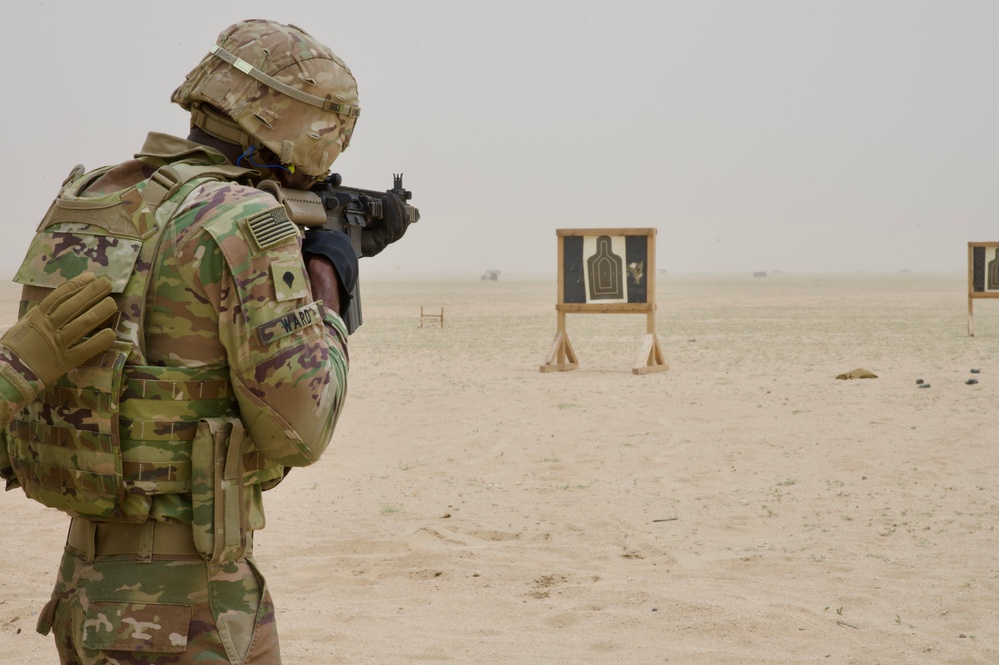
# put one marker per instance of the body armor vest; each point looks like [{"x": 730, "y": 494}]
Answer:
[{"x": 112, "y": 433}]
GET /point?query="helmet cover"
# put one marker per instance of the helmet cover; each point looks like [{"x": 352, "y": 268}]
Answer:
[{"x": 283, "y": 88}]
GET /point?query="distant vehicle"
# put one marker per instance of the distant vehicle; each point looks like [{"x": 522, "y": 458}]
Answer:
[
  {"x": 760, "y": 273},
  {"x": 492, "y": 275}
]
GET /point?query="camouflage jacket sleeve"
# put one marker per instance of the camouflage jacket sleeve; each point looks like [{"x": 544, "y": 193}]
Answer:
[
  {"x": 18, "y": 386},
  {"x": 287, "y": 354}
]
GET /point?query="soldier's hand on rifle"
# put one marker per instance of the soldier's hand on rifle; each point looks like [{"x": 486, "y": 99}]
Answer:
[
  {"x": 332, "y": 282},
  {"x": 395, "y": 221},
  {"x": 49, "y": 339}
]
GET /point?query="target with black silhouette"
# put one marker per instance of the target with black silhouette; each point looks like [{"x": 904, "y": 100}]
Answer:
[
  {"x": 983, "y": 276},
  {"x": 606, "y": 271}
]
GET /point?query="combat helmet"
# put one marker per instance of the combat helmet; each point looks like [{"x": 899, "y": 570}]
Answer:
[{"x": 269, "y": 84}]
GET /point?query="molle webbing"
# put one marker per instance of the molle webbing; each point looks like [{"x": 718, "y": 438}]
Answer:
[
  {"x": 64, "y": 445},
  {"x": 160, "y": 411},
  {"x": 105, "y": 438}
]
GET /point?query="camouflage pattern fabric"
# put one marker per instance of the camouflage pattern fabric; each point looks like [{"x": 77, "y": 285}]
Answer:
[
  {"x": 309, "y": 134},
  {"x": 228, "y": 330},
  {"x": 230, "y": 294},
  {"x": 64, "y": 447},
  {"x": 18, "y": 386},
  {"x": 160, "y": 613}
]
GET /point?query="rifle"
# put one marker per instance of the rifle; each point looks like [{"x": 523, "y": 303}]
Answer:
[{"x": 360, "y": 213}]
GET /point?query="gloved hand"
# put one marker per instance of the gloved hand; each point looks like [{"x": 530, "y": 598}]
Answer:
[
  {"x": 337, "y": 248},
  {"x": 48, "y": 339},
  {"x": 392, "y": 226}
]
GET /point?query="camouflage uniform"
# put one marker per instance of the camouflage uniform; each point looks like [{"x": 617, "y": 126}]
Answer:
[
  {"x": 225, "y": 373},
  {"x": 18, "y": 386}
]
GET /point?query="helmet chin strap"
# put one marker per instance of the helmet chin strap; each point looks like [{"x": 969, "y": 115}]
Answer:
[
  {"x": 225, "y": 129},
  {"x": 222, "y": 127}
]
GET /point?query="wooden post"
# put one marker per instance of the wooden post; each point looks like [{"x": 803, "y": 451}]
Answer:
[
  {"x": 650, "y": 359},
  {"x": 971, "y": 288},
  {"x": 433, "y": 320}
]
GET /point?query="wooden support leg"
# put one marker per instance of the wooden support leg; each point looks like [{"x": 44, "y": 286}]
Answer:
[
  {"x": 650, "y": 359},
  {"x": 971, "y": 318},
  {"x": 561, "y": 357}
]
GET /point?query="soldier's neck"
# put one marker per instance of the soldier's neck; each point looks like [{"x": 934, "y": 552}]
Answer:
[{"x": 230, "y": 150}]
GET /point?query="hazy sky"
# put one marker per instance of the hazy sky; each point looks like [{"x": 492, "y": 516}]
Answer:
[{"x": 754, "y": 135}]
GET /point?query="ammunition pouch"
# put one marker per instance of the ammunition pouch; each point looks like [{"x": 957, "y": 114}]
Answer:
[{"x": 217, "y": 494}]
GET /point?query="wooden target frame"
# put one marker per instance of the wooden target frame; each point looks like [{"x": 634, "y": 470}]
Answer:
[
  {"x": 983, "y": 276},
  {"x": 606, "y": 271}
]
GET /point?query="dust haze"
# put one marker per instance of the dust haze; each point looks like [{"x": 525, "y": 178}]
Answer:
[{"x": 803, "y": 137}]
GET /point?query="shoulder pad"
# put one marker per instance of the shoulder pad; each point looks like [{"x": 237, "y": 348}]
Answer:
[{"x": 254, "y": 215}]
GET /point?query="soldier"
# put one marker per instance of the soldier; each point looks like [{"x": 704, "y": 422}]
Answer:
[
  {"x": 40, "y": 347},
  {"x": 228, "y": 368}
]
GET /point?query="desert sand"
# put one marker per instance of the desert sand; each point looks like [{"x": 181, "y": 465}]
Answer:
[{"x": 742, "y": 507}]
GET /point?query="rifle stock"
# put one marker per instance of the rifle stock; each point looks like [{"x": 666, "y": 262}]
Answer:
[{"x": 359, "y": 213}]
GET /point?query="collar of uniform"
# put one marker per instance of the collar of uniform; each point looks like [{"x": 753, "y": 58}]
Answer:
[{"x": 166, "y": 148}]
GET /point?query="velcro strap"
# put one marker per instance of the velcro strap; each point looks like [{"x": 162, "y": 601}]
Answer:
[
  {"x": 232, "y": 483},
  {"x": 155, "y": 430},
  {"x": 220, "y": 127},
  {"x": 164, "y": 182},
  {"x": 158, "y": 472}
]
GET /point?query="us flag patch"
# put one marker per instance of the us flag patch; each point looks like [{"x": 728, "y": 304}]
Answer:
[{"x": 271, "y": 227}]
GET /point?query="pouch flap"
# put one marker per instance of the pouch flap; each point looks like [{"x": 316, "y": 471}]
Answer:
[
  {"x": 111, "y": 626},
  {"x": 54, "y": 258}
]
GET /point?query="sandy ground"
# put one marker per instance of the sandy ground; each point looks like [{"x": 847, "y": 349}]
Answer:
[{"x": 743, "y": 507}]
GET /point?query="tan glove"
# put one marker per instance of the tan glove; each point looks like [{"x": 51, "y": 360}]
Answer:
[{"x": 48, "y": 339}]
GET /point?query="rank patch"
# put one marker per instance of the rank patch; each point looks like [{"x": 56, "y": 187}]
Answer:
[
  {"x": 289, "y": 280},
  {"x": 271, "y": 227}
]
